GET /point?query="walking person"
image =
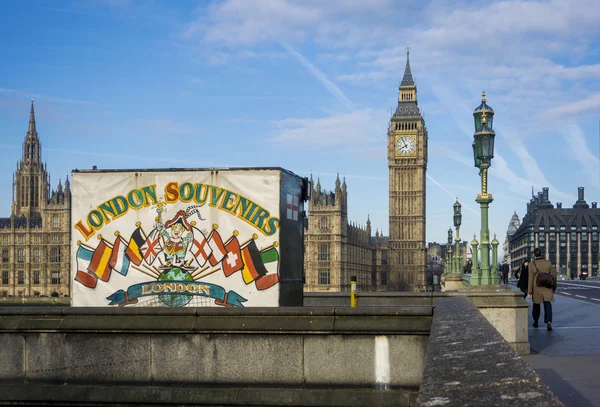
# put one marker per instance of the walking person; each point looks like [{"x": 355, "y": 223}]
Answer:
[
  {"x": 504, "y": 269},
  {"x": 522, "y": 276},
  {"x": 541, "y": 287}
]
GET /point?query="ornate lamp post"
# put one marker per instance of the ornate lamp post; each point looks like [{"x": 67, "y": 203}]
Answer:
[
  {"x": 475, "y": 271},
  {"x": 448, "y": 268},
  {"x": 483, "y": 152},
  {"x": 457, "y": 252}
]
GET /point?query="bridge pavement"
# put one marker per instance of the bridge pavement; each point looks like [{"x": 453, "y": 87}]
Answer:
[{"x": 568, "y": 358}]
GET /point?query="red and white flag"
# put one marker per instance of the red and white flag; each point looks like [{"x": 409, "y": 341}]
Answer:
[
  {"x": 151, "y": 247},
  {"x": 293, "y": 206},
  {"x": 233, "y": 259},
  {"x": 218, "y": 248},
  {"x": 200, "y": 247}
]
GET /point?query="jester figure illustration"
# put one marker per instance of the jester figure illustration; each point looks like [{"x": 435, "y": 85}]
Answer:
[{"x": 176, "y": 237}]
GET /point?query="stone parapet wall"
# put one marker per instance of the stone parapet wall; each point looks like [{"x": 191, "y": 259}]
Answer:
[
  {"x": 469, "y": 364},
  {"x": 377, "y": 350},
  {"x": 504, "y": 308}
]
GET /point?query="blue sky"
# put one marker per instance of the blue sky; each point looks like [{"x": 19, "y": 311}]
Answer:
[{"x": 309, "y": 86}]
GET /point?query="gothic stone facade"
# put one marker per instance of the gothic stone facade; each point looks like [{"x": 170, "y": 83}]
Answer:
[
  {"x": 407, "y": 161},
  {"x": 337, "y": 250},
  {"x": 34, "y": 240}
]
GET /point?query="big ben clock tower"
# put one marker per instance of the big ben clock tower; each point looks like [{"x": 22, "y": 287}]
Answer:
[{"x": 407, "y": 160}]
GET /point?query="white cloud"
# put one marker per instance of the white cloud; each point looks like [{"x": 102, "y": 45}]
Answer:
[
  {"x": 578, "y": 149},
  {"x": 573, "y": 108},
  {"x": 361, "y": 127}
]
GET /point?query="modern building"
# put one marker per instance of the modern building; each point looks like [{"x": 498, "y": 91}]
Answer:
[
  {"x": 336, "y": 250},
  {"x": 568, "y": 237},
  {"x": 34, "y": 240}
]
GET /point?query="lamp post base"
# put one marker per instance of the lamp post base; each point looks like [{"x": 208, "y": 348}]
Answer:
[{"x": 453, "y": 282}]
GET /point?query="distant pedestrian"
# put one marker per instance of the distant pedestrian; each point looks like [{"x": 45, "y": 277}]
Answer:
[
  {"x": 523, "y": 278},
  {"x": 541, "y": 286},
  {"x": 504, "y": 269}
]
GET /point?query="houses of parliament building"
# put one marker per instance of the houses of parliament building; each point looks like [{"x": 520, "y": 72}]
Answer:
[
  {"x": 336, "y": 249},
  {"x": 35, "y": 239}
]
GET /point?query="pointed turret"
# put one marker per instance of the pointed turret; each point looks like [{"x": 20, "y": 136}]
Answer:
[
  {"x": 60, "y": 187},
  {"x": 407, "y": 94},
  {"x": 407, "y": 79},
  {"x": 31, "y": 131},
  {"x": 67, "y": 185},
  {"x": 337, "y": 183}
]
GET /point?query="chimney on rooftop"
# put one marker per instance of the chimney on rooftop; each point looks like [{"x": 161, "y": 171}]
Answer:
[
  {"x": 559, "y": 205},
  {"x": 545, "y": 194},
  {"x": 581, "y": 203},
  {"x": 594, "y": 205}
]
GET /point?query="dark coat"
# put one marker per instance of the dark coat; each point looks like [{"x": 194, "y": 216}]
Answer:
[
  {"x": 541, "y": 294},
  {"x": 523, "y": 276}
]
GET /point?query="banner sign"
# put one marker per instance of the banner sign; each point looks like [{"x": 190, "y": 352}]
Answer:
[{"x": 176, "y": 238}]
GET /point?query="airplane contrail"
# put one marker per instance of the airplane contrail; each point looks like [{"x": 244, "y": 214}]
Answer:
[{"x": 320, "y": 76}]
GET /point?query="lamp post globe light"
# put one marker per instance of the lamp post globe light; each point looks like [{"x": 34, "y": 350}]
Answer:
[
  {"x": 483, "y": 152},
  {"x": 457, "y": 252}
]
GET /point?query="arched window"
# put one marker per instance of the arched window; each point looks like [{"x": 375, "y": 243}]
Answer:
[
  {"x": 21, "y": 256},
  {"x": 324, "y": 277},
  {"x": 36, "y": 255},
  {"x": 324, "y": 223},
  {"x": 55, "y": 221},
  {"x": 55, "y": 255}
]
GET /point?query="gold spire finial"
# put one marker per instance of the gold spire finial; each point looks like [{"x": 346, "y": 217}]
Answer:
[{"x": 483, "y": 97}]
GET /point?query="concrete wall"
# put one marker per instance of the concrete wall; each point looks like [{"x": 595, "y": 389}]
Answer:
[
  {"x": 300, "y": 349},
  {"x": 505, "y": 309},
  {"x": 469, "y": 364}
]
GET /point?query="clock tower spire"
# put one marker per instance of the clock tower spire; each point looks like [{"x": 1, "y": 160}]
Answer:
[{"x": 407, "y": 162}]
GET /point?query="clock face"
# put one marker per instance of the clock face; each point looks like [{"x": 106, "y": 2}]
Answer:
[{"x": 406, "y": 146}]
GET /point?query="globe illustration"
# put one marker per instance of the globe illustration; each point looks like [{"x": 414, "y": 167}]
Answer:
[{"x": 175, "y": 275}]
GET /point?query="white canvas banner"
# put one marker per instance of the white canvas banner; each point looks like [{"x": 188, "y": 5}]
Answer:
[{"x": 175, "y": 238}]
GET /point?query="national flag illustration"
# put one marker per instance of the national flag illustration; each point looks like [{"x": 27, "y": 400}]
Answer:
[
  {"x": 293, "y": 206},
  {"x": 233, "y": 259},
  {"x": 151, "y": 247},
  {"x": 84, "y": 257},
  {"x": 253, "y": 265},
  {"x": 100, "y": 259},
  {"x": 137, "y": 239},
  {"x": 118, "y": 261},
  {"x": 200, "y": 248},
  {"x": 270, "y": 258},
  {"x": 218, "y": 248}
]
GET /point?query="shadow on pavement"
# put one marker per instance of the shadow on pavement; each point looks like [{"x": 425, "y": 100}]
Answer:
[{"x": 562, "y": 389}]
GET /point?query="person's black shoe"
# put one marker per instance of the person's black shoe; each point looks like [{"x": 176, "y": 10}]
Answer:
[
  {"x": 549, "y": 326},
  {"x": 535, "y": 324}
]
